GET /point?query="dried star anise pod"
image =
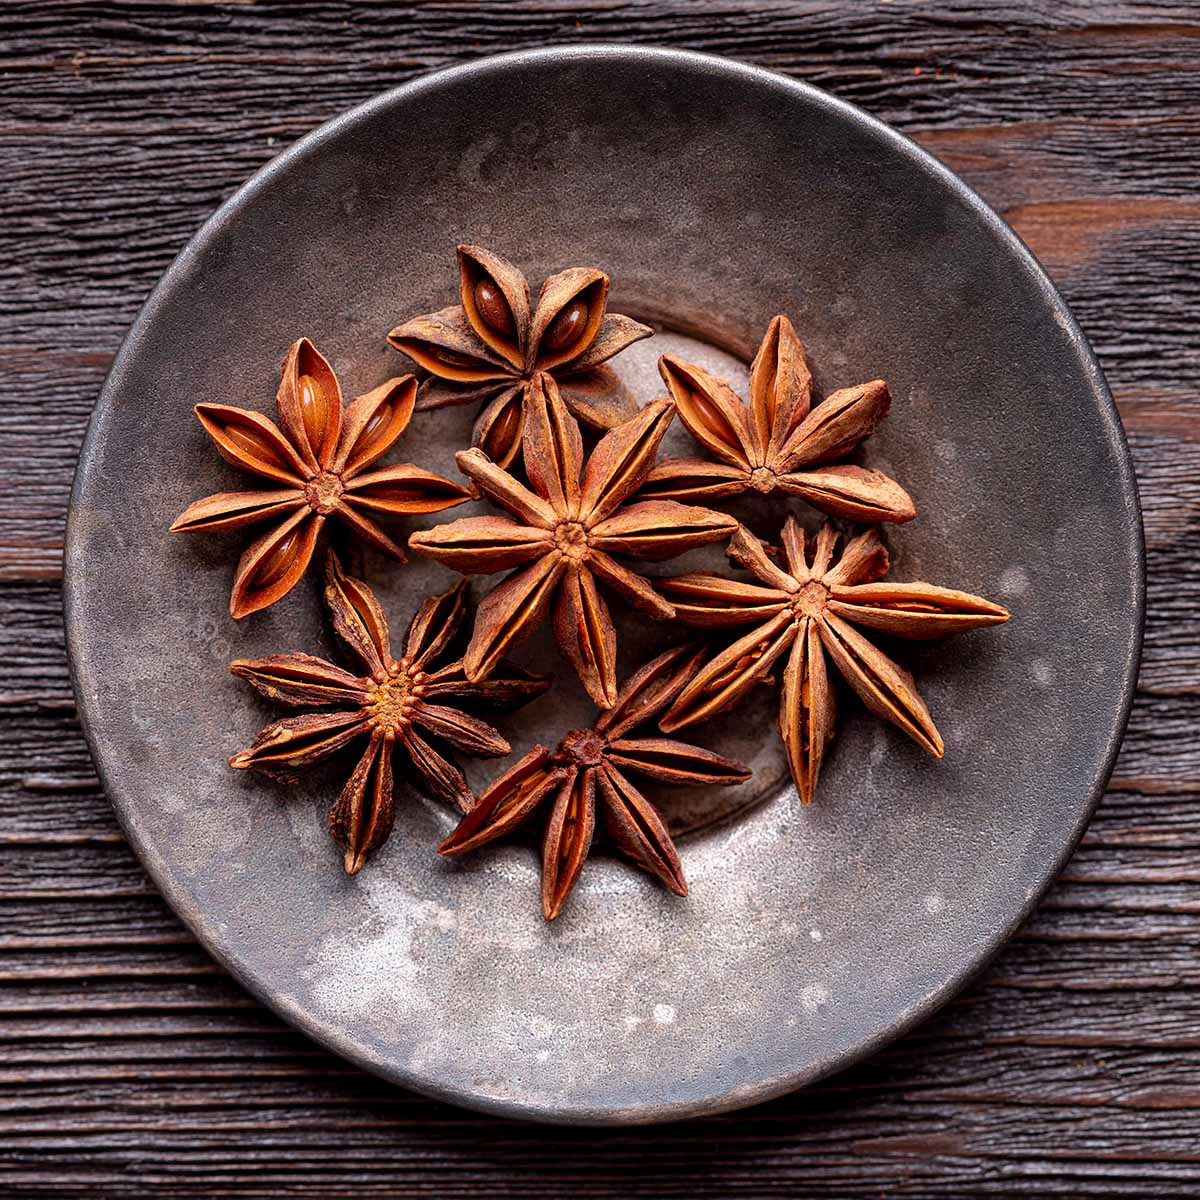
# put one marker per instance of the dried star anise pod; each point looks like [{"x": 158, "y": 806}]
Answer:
[
  {"x": 317, "y": 465},
  {"x": 567, "y": 530},
  {"x": 777, "y": 442},
  {"x": 600, "y": 759},
  {"x": 493, "y": 345},
  {"x": 395, "y": 704},
  {"x": 808, "y": 608}
]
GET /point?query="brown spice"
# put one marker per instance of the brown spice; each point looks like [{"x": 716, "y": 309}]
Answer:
[
  {"x": 491, "y": 347},
  {"x": 570, "y": 523},
  {"x": 399, "y": 702},
  {"x": 808, "y": 609},
  {"x": 777, "y": 442},
  {"x": 317, "y": 465},
  {"x": 599, "y": 760}
]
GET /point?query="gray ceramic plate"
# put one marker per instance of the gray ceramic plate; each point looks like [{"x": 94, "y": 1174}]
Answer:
[{"x": 715, "y": 195}]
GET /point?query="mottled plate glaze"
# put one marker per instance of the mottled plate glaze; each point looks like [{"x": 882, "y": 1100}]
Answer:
[{"x": 715, "y": 195}]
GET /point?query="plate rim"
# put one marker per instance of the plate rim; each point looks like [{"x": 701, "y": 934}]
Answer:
[{"x": 653, "y": 1110}]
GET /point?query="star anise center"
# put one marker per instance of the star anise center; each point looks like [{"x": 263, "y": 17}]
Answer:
[
  {"x": 811, "y": 599},
  {"x": 526, "y": 377},
  {"x": 324, "y": 491},
  {"x": 571, "y": 539},
  {"x": 392, "y": 701},
  {"x": 582, "y": 748},
  {"x": 762, "y": 479}
]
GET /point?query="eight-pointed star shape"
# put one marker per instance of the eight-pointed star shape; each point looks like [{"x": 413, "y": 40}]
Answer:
[
  {"x": 808, "y": 607},
  {"x": 570, "y": 523},
  {"x": 778, "y": 442},
  {"x": 398, "y": 703},
  {"x": 317, "y": 464},
  {"x": 595, "y": 761},
  {"x": 492, "y": 345}
]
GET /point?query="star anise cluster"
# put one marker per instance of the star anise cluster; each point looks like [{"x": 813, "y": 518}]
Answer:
[{"x": 577, "y": 518}]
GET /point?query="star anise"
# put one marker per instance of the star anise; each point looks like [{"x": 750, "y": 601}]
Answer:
[
  {"x": 777, "y": 442},
  {"x": 568, "y": 528},
  {"x": 600, "y": 759},
  {"x": 399, "y": 702},
  {"x": 492, "y": 346},
  {"x": 808, "y": 609},
  {"x": 317, "y": 464}
]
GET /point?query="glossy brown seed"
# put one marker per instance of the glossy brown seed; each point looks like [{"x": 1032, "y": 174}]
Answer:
[
  {"x": 454, "y": 360},
  {"x": 493, "y": 308},
  {"x": 314, "y": 409},
  {"x": 769, "y": 390},
  {"x": 500, "y": 437},
  {"x": 567, "y": 326},
  {"x": 711, "y": 416},
  {"x": 373, "y": 431},
  {"x": 256, "y": 444},
  {"x": 275, "y": 562}
]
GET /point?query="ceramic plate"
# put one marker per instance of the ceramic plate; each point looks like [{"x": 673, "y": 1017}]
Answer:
[{"x": 715, "y": 195}]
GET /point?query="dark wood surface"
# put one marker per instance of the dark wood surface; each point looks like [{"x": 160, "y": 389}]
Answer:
[{"x": 131, "y": 1065}]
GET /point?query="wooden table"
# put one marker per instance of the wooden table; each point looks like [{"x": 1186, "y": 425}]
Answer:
[{"x": 132, "y": 1066}]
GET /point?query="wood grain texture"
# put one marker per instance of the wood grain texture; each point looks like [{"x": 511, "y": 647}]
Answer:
[{"x": 131, "y": 1066}]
